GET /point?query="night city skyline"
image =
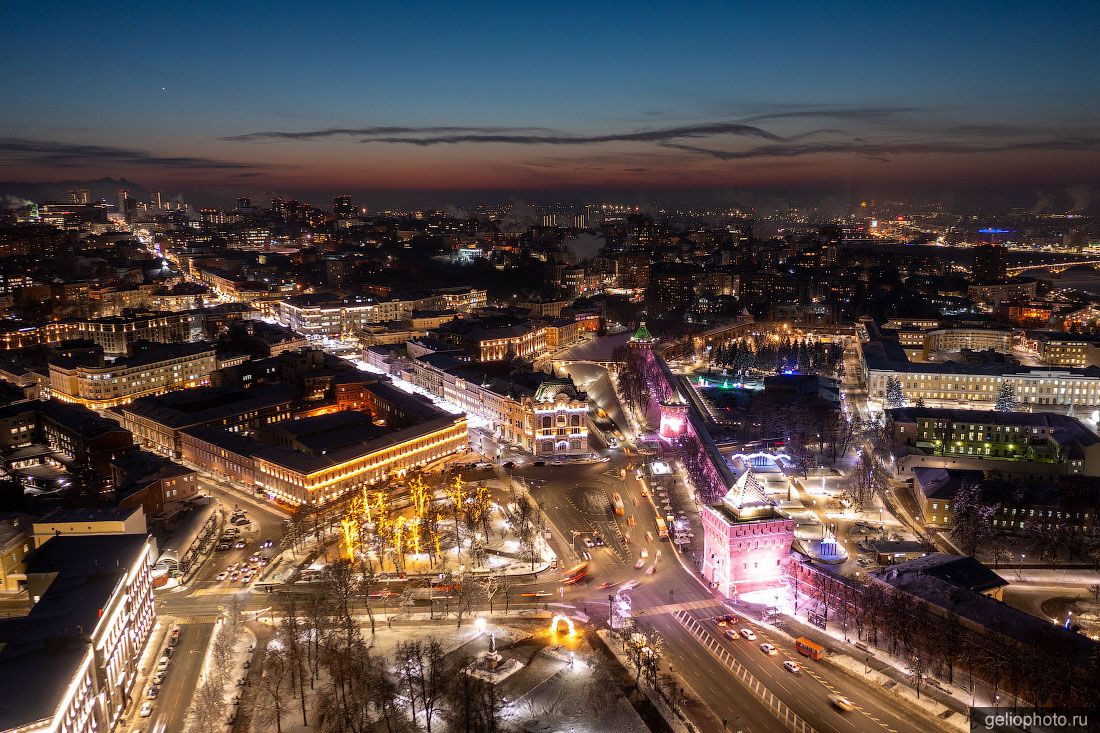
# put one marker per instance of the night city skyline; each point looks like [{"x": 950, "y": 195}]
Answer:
[
  {"x": 663, "y": 101},
  {"x": 549, "y": 368}
]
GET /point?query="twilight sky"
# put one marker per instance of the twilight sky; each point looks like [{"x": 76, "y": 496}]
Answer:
[{"x": 551, "y": 96}]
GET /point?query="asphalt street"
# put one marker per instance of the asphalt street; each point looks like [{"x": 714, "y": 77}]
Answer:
[{"x": 577, "y": 498}]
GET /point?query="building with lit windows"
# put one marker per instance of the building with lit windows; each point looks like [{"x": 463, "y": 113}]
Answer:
[
  {"x": 118, "y": 334},
  {"x": 70, "y": 664},
  {"x": 560, "y": 418},
  {"x": 314, "y": 460},
  {"x": 976, "y": 385},
  {"x": 1009, "y": 443},
  {"x": 156, "y": 421},
  {"x": 1017, "y": 505},
  {"x": 495, "y": 338},
  {"x": 746, "y": 540},
  {"x": 323, "y": 314},
  {"x": 49, "y": 444},
  {"x": 153, "y": 371},
  {"x": 1064, "y": 349}
]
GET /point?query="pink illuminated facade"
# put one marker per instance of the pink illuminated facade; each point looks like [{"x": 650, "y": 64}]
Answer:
[
  {"x": 746, "y": 540},
  {"x": 674, "y": 418}
]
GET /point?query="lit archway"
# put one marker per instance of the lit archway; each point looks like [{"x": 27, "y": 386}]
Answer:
[{"x": 560, "y": 619}]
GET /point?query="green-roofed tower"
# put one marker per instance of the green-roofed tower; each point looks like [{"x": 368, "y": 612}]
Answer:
[{"x": 642, "y": 334}]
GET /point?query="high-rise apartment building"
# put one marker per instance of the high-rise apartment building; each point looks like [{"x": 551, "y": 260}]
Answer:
[
  {"x": 990, "y": 263},
  {"x": 343, "y": 208}
]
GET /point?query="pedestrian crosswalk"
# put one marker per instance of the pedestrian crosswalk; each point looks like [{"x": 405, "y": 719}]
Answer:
[{"x": 686, "y": 606}]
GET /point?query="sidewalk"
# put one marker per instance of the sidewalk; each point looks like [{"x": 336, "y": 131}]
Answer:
[{"x": 696, "y": 719}]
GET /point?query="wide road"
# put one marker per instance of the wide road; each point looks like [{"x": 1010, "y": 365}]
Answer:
[
  {"x": 672, "y": 597},
  {"x": 179, "y": 686}
]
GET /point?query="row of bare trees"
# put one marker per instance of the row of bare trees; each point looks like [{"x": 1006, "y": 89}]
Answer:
[
  {"x": 1047, "y": 671},
  {"x": 321, "y": 667}
]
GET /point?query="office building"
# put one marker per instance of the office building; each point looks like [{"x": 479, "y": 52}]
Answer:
[
  {"x": 1009, "y": 443},
  {"x": 70, "y": 665},
  {"x": 156, "y": 421},
  {"x": 153, "y": 371},
  {"x": 977, "y": 384}
]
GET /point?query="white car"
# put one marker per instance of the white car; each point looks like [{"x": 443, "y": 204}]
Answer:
[
  {"x": 748, "y": 634},
  {"x": 638, "y": 565},
  {"x": 792, "y": 667},
  {"x": 146, "y": 709},
  {"x": 769, "y": 649}
]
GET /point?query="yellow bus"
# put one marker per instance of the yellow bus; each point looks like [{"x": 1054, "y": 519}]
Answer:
[{"x": 662, "y": 528}]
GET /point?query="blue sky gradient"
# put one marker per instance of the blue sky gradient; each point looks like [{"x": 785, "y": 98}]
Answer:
[{"x": 551, "y": 95}]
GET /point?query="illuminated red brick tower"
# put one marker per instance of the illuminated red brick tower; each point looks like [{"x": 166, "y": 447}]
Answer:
[{"x": 746, "y": 541}]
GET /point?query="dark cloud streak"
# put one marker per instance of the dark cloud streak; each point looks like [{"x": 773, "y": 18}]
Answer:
[
  {"x": 377, "y": 131},
  {"x": 879, "y": 151},
  {"x": 453, "y": 135},
  {"x": 81, "y": 155}
]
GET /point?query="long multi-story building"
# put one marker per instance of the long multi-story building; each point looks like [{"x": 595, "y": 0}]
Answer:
[
  {"x": 495, "y": 338},
  {"x": 155, "y": 371},
  {"x": 325, "y": 314},
  {"x": 318, "y": 475},
  {"x": 1005, "y": 442},
  {"x": 531, "y": 411},
  {"x": 77, "y": 440},
  {"x": 1055, "y": 348},
  {"x": 383, "y": 433},
  {"x": 156, "y": 421},
  {"x": 976, "y": 385},
  {"x": 118, "y": 334},
  {"x": 70, "y": 665},
  {"x": 1015, "y": 505}
]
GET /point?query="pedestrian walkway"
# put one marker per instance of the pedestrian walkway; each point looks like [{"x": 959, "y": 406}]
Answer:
[{"x": 686, "y": 606}]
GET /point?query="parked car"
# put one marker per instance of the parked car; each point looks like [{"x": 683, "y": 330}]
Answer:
[
  {"x": 152, "y": 692},
  {"x": 146, "y": 709}
]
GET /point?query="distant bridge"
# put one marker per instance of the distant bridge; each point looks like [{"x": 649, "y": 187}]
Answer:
[{"x": 1054, "y": 267}]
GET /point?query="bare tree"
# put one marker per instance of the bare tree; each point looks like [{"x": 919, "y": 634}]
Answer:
[
  {"x": 271, "y": 702},
  {"x": 208, "y": 703},
  {"x": 465, "y": 601},
  {"x": 490, "y": 586},
  {"x": 292, "y": 626},
  {"x": 339, "y": 589},
  {"x": 861, "y": 483},
  {"x": 365, "y": 588},
  {"x": 420, "y": 667},
  {"x": 971, "y": 518},
  {"x": 473, "y": 705}
]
